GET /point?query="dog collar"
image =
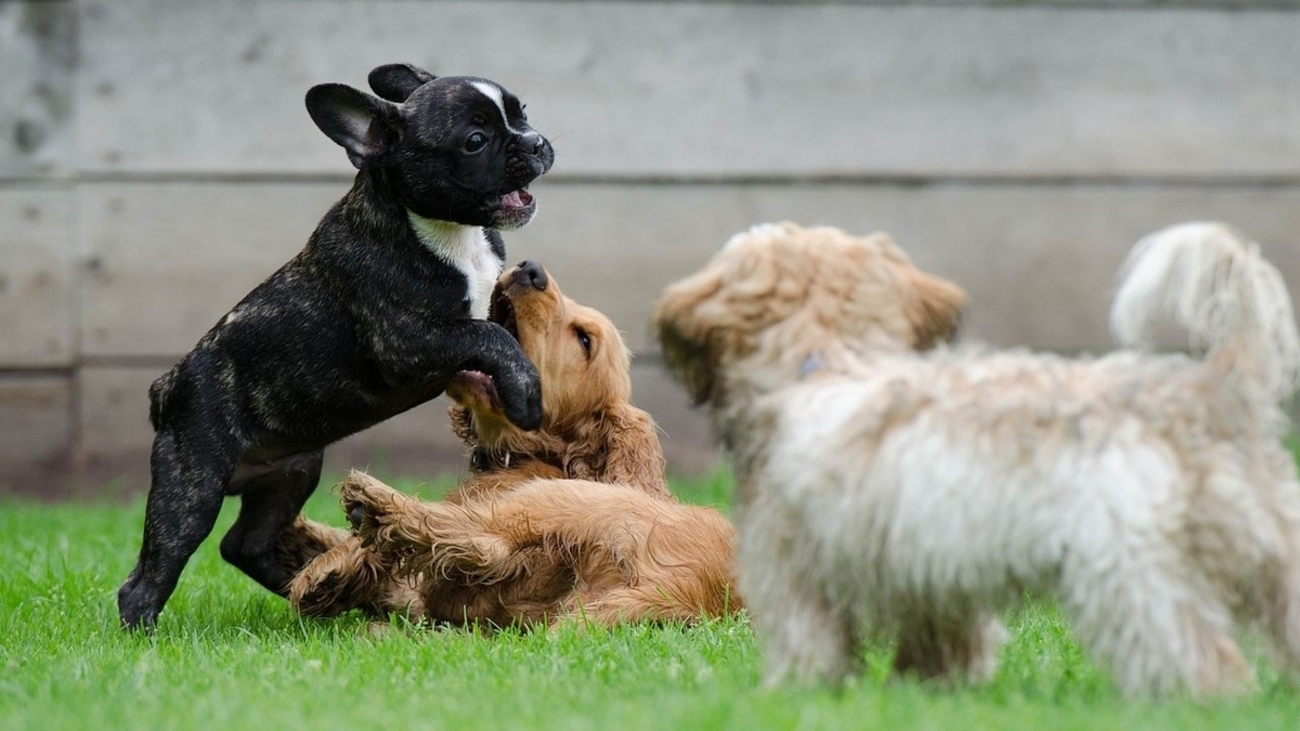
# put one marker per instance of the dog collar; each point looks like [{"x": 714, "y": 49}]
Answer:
[
  {"x": 811, "y": 364},
  {"x": 484, "y": 460}
]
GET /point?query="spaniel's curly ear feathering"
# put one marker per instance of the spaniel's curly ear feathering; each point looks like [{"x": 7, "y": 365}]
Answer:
[
  {"x": 620, "y": 447},
  {"x": 887, "y": 489}
]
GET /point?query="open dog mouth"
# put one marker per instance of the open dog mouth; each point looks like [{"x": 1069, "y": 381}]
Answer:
[
  {"x": 516, "y": 200},
  {"x": 475, "y": 389},
  {"x": 502, "y": 311}
]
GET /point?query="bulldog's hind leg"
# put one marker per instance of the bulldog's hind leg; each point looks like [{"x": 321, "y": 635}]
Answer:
[
  {"x": 184, "y": 501},
  {"x": 271, "y": 497}
]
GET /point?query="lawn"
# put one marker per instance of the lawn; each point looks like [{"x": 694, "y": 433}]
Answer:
[{"x": 229, "y": 655}]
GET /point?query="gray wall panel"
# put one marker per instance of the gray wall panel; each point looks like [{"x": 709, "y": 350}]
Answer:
[
  {"x": 37, "y": 52},
  {"x": 683, "y": 89},
  {"x": 38, "y": 277},
  {"x": 1038, "y": 261}
]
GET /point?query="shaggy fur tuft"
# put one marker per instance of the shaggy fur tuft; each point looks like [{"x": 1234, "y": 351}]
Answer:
[
  {"x": 891, "y": 486},
  {"x": 1212, "y": 281}
]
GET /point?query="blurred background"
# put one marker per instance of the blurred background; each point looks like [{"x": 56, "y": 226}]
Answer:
[{"x": 156, "y": 162}]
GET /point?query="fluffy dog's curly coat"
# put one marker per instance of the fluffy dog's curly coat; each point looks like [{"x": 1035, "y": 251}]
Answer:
[
  {"x": 514, "y": 543},
  {"x": 887, "y": 487}
]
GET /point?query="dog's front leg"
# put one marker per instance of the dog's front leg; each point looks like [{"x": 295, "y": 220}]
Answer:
[
  {"x": 424, "y": 356},
  {"x": 271, "y": 498},
  {"x": 437, "y": 539},
  {"x": 348, "y": 576}
]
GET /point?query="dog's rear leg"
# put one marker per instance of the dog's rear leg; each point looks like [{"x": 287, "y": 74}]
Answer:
[
  {"x": 1156, "y": 632},
  {"x": 269, "y": 503},
  {"x": 183, "y": 504},
  {"x": 632, "y": 605},
  {"x": 1282, "y": 618},
  {"x": 1279, "y": 579}
]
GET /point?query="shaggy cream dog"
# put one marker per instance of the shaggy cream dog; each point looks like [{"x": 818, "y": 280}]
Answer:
[{"x": 889, "y": 487}]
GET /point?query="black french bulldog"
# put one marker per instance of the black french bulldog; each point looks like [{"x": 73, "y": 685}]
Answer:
[{"x": 383, "y": 306}]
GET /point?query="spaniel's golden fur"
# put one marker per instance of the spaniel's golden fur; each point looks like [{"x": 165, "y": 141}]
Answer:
[
  {"x": 889, "y": 485},
  {"x": 572, "y": 520},
  {"x": 550, "y": 550}
]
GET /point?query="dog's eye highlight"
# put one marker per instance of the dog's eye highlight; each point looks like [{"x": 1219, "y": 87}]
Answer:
[
  {"x": 583, "y": 339},
  {"x": 476, "y": 142}
]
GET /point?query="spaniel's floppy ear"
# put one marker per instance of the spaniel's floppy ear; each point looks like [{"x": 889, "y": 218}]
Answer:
[
  {"x": 934, "y": 309},
  {"x": 620, "y": 448}
]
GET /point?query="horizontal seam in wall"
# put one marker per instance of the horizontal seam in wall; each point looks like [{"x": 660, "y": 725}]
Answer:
[
  {"x": 18, "y": 372},
  {"x": 766, "y": 179},
  {"x": 1007, "y": 5},
  {"x": 1011, "y": 5}
]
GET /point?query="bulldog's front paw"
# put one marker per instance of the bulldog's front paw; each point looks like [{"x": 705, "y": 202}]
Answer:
[{"x": 521, "y": 395}]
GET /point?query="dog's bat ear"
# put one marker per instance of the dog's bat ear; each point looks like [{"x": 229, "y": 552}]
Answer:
[
  {"x": 365, "y": 126},
  {"x": 396, "y": 81}
]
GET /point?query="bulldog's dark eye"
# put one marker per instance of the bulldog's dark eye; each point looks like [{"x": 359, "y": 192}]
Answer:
[
  {"x": 583, "y": 339},
  {"x": 476, "y": 142}
]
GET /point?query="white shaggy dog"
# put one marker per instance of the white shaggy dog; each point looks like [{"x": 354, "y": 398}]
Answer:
[{"x": 887, "y": 487}]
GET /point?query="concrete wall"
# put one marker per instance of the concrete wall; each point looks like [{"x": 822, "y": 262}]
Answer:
[{"x": 156, "y": 162}]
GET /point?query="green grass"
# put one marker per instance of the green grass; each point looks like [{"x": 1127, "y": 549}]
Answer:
[{"x": 229, "y": 655}]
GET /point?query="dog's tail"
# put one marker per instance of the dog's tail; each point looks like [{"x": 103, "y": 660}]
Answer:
[
  {"x": 161, "y": 392},
  {"x": 1211, "y": 280}
]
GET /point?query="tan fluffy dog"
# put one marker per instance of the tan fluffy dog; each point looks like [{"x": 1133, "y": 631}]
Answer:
[
  {"x": 887, "y": 487},
  {"x": 515, "y": 544}
]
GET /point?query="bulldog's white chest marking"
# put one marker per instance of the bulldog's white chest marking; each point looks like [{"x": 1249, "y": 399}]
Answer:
[{"x": 467, "y": 249}]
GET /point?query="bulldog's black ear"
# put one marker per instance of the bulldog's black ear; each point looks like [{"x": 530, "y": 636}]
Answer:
[
  {"x": 396, "y": 81},
  {"x": 365, "y": 126}
]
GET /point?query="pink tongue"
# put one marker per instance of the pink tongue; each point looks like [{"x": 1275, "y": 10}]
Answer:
[{"x": 512, "y": 200}]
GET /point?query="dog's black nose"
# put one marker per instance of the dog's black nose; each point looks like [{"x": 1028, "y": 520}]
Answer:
[
  {"x": 532, "y": 274},
  {"x": 538, "y": 144}
]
